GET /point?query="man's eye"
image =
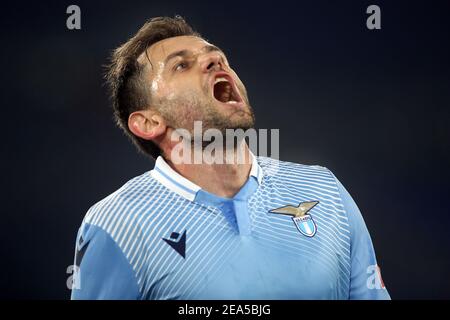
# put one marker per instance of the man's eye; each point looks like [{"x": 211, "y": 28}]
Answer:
[{"x": 180, "y": 66}]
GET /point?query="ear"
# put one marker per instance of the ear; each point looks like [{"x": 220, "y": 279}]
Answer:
[{"x": 147, "y": 124}]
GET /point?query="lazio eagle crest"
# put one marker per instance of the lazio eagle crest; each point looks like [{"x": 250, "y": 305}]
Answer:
[{"x": 303, "y": 221}]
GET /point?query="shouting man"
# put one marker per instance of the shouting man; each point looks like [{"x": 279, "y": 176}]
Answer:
[{"x": 253, "y": 229}]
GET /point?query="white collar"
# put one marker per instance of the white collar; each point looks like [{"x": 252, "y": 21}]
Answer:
[{"x": 187, "y": 189}]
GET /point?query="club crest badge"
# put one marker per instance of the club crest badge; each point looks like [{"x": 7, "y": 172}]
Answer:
[{"x": 302, "y": 220}]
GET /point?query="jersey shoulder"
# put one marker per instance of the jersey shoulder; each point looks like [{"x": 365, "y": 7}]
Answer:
[
  {"x": 127, "y": 208},
  {"x": 120, "y": 200},
  {"x": 280, "y": 170},
  {"x": 130, "y": 214}
]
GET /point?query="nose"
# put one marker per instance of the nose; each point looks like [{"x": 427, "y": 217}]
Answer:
[{"x": 210, "y": 62}]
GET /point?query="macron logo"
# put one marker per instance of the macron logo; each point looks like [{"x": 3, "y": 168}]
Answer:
[{"x": 177, "y": 243}]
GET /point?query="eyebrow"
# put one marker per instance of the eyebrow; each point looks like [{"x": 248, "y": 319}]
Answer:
[{"x": 183, "y": 53}]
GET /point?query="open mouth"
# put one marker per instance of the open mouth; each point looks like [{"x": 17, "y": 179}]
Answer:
[{"x": 225, "y": 91}]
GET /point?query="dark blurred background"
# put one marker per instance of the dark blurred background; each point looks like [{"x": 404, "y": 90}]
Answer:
[{"x": 373, "y": 107}]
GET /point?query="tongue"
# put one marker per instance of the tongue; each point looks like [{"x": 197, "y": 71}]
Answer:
[
  {"x": 225, "y": 97},
  {"x": 222, "y": 91}
]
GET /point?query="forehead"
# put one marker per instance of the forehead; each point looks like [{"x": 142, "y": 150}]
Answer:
[{"x": 161, "y": 49}]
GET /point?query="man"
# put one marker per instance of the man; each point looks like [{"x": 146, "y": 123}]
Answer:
[{"x": 256, "y": 229}]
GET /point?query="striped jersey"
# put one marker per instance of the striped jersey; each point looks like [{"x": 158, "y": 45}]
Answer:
[{"x": 291, "y": 232}]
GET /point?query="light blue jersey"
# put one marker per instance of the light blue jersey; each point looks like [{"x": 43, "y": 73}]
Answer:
[{"x": 292, "y": 232}]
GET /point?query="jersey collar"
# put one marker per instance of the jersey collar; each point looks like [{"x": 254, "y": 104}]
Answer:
[{"x": 182, "y": 186}]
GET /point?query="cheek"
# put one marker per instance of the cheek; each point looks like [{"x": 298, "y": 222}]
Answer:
[
  {"x": 160, "y": 87},
  {"x": 183, "y": 91},
  {"x": 161, "y": 90},
  {"x": 170, "y": 95}
]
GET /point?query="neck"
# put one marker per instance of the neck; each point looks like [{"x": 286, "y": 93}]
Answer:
[{"x": 224, "y": 180}]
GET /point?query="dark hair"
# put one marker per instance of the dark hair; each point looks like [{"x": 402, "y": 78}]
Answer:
[{"x": 129, "y": 90}]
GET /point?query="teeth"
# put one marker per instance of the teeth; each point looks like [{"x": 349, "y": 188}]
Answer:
[
  {"x": 220, "y": 79},
  {"x": 231, "y": 102}
]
